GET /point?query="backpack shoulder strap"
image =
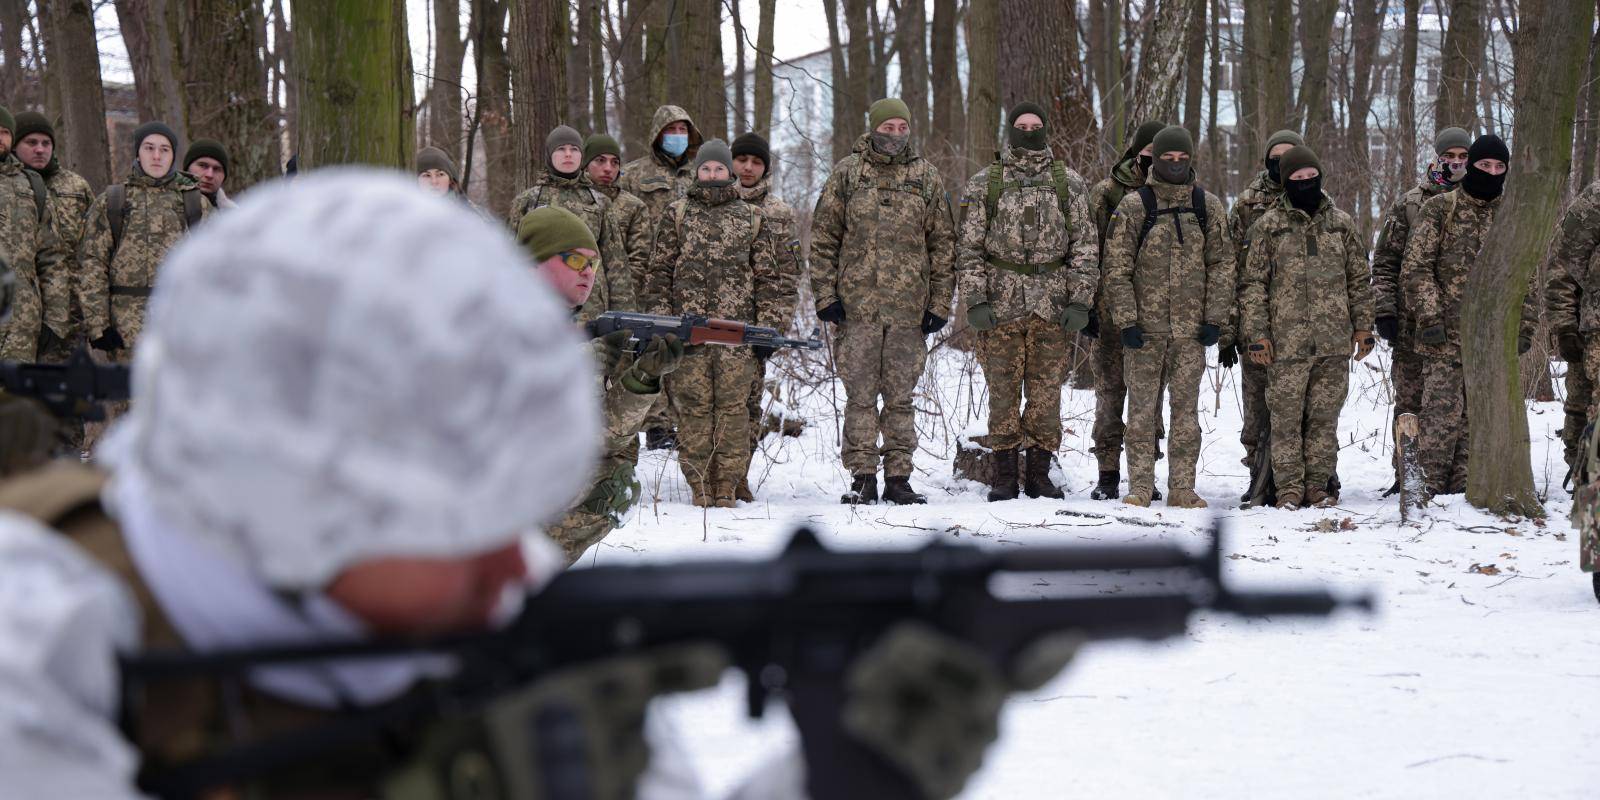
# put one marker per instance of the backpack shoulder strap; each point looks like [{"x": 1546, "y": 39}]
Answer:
[
  {"x": 192, "y": 212},
  {"x": 1058, "y": 173},
  {"x": 1147, "y": 196},
  {"x": 679, "y": 209},
  {"x": 116, "y": 213},
  {"x": 755, "y": 220},
  {"x": 991, "y": 201},
  {"x": 1197, "y": 199},
  {"x": 41, "y": 195}
]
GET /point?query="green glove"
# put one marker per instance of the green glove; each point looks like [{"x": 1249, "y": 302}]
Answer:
[
  {"x": 1075, "y": 318},
  {"x": 610, "y": 350},
  {"x": 981, "y": 316},
  {"x": 660, "y": 357}
]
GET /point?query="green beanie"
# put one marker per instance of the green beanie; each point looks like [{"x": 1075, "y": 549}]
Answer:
[
  {"x": 549, "y": 230},
  {"x": 1144, "y": 135},
  {"x": 207, "y": 148},
  {"x": 1026, "y": 108},
  {"x": 31, "y": 122},
  {"x": 886, "y": 109},
  {"x": 600, "y": 144},
  {"x": 434, "y": 158},
  {"x": 562, "y": 135},
  {"x": 1172, "y": 137},
  {"x": 1284, "y": 137},
  {"x": 714, "y": 150},
  {"x": 7, "y": 121},
  {"x": 1451, "y": 137},
  {"x": 1297, "y": 158}
]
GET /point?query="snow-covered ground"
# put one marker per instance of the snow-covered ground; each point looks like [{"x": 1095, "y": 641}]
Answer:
[{"x": 1479, "y": 676}]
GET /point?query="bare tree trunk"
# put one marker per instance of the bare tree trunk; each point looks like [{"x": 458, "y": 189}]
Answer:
[
  {"x": 12, "y": 85},
  {"x": 1591, "y": 105},
  {"x": 741, "y": 104},
  {"x": 538, "y": 80},
  {"x": 1549, "y": 55},
  {"x": 353, "y": 80},
  {"x": 44, "y": 42},
  {"x": 75, "y": 52},
  {"x": 1353, "y": 191},
  {"x": 983, "y": 85},
  {"x": 1155, "y": 94},
  {"x": 878, "y": 56},
  {"x": 285, "y": 45},
  {"x": 858, "y": 82},
  {"x": 946, "y": 135},
  {"x": 444, "y": 92},
  {"x": 494, "y": 102},
  {"x": 1194, "y": 73},
  {"x": 149, "y": 29},
  {"x": 1315, "y": 105},
  {"x": 227, "y": 88},
  {"x": 1040, "y": 63},
  {"x": 1460, "y": 62},
  {"x": 1105, "y": 60},
  {"x": 638, "y": 103},
  {"x": 705, "y": 99},
  {"x": 762, "y": 123},
  {"x": 1406, "y": 78},
  {"x": 844, "y": 127},
  {"x": 911, "y": 40},
  {"x": 1215, "y": 165}
]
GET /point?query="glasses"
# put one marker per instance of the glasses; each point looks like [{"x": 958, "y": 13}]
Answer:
[{"x": 578, "y": 262}]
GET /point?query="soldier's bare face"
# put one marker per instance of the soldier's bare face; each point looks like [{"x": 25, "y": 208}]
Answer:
[
  {"x": 566, "y": 159},
  {"x": 35, "y": 150},
  {"x": 5, "y": 142},
  {"x": 1028, "y": 122},
  {"x": 1304, "y": 174},
  {"x": 209, "y": 172},
  {"x": 155, "y": 156},
  {"x": 750, "y": 169},
  {"x": 676, "y": 127},
  {"x": 1175, "y": 155},
  {"x": 603, "y": 170},
  {"x": 1493, "y": 166},
  {"x": 712, "y": 171},
  {"x": 1454, "y": 159},
  {"x": 435, "y": 181},
  {"x": 411, "y": 596},
  {"x": 573, "y": 285},
  {"x": 895, "y": 127},
  {"x": 1278, "y": 150}
]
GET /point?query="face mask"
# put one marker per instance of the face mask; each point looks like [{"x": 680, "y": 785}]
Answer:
[
  {"x": 1026, "y": 140},
  {"x": 1144, "y": 163},
  {"x": 888, "y": 143},
  {"x": 1481, "y": 184},
  {"x": 710, "y": 184},
  {"x": 675, "y": 144},
  {"x": 1172, "y": 171},
  {"x": 1455, "y": 172},
  {"x": 1305, "y": 195},
  {"x": 1272, "y": 170}
]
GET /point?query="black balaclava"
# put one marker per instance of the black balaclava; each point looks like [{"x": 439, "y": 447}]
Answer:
[
  {"x": 1481, "y": 184},
  {"x": 1306, "y": 193},
  {"x": 1027, "y": 140}
]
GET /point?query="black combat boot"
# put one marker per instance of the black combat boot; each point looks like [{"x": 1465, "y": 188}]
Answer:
[
  {"x": 863, "y": 489},
  {"x": 898, "y": 491},
  {"x": 1106, "y": 489},
  {"x": 1005, "y": 476},
  {"x": 1037, "y": 483},
  {"x": 661, "y": 439}
]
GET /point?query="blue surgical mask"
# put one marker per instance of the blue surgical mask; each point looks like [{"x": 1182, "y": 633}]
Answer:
[{"x": 675, "y": 144}]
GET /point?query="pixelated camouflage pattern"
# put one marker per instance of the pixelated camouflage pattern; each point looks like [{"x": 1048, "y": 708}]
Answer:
[
  {"x": 39, "y": 262},
  {"x": 656, "y": 178},
  {"x": 1572, "y": 291},
  {"x": 627, "y": 243},
  {"x": 1390, "y": 253},
  {"x": 1443, "y": 433},
  {"x": 614, "y": 283},
  {"x": 1180, "y": 279},
  {"x": 1305, "y": 284},
  {"x": 1304, "y": 397},
  {"x": 155, "y": 222},
  {"x": 1028, "y": 228},
  {"x": 1110, "y": 392},
  {"x": 1443, "y": 246},
  {"x": 1170, "y": 365},
  {"x": 1027, "y": 356},
  {"x": 877, "y": 360},
  {"x": 70, "y": 198},
  {"x": 1576, "y": 407},
  {"x": 777, "y": 220},
  {"x": 1261, "y": 194},
  {"x": 708, "y": 392},
  {"x": 882, "y": 240}
]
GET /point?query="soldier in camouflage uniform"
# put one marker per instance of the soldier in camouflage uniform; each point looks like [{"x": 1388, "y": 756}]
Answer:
[
  {"x": 158, "y": 202},
  {"x": 627, "y": 226},
  {"x": 1263, "y": 193},
  {"x": 752, "y": 163},
  {"x": 40, "y": 261},
  {"x": 1305, "y": 301},
  {"x": 660, "y": 178},
  {"x": 1572, "y": 308},
  {"x": 1394, "y": 316},
  {"x": 566, "y": 253},
  {"x": 1109, "y": 390},
  {"x": 1169, "y": 283},
  {"x": 70, "y": 197},
  {"x": 713, "y": 255},
  {"x": 207, "y": 160},
  {"x": 882, "y": 257},
  {"x": 1028, "y": 266},
  {"x": 1440, "y": 253}
]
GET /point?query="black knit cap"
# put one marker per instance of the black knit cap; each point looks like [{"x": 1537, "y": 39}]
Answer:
[
  {"x": 31, "y": 122},
  {"x": 1026, "y": 108},
  {"x": 154, "y": 128},
  {"x": 752, "y": 144},
  {"x": 1489, "y": 146},
  {"x": 207, "y": 148},
  {"x": 1142, "y": 137}
]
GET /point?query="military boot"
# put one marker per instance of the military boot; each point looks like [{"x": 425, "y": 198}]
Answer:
[
  {"x": 1137, "y": 496},
  {"x": 1037, "y": 483},
  {"x": 661, "y": 439},
  {"x": 1005, "y": 476},
  {"x": 863, "y": 489},
  {"x": 1106, "y": 489},
  {"x": 1289, "y": 501},
  {"x": 898, "y": 490},
  {"x": 1319, "y": 497},
  {"x": 1185, "y": 498},
  {"x": 742, "y": 492}
]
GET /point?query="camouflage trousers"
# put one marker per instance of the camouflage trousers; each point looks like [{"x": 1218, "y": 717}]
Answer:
[
  {"x": 1442, "y": 438},
  {"x": 92, "y": 431},
  {"x": 1304, "y": 397},
  {"x": 1255, "y": 413},
  {"x": 579, "y": 530},
  {"x": 1172, "y": 367},
  {"x": 879, "y": 361},
  {"x": 1025, "y": 357},
  {"x": 708, "y": 392},
  {"x": 1405, "y": 375},
  {"x": 1578, "y": 408},
  {"x": 752, "y": 407},
  {"x": 1109, "y": 394}
]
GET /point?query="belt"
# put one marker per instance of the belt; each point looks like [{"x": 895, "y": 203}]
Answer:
[
  {"x": 131, "y": 291},
  {"x": 1027, "y": 269}
]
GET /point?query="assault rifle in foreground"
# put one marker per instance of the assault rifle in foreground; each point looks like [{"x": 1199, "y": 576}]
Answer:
[
  {"x": 76, "y": 389},
  {"x": 694, "y": 329},
  {"x": 794, "y": 624}
]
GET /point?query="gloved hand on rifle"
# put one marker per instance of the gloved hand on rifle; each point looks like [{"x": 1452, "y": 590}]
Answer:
[
  {"x": 109, "y": 342},
  {"x": 660, "y": 357}
]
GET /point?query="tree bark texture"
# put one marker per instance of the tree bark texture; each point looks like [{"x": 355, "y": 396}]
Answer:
[
  {"x": 227, "y": 88},
  {"x": 741, "y": 90},
  {"x": 911, "y": 37},
  {"x": 1460, "y": 62},
  {"x": 538, "y": 81},
  {"x": 12, "y": 86},
  {"x": 1315, "y": 104},
  {"x": 947, "y": 133},
  {"x": 444, "y": 92},
  {"x": 155, "y": 52},
  {"x": 762, "y": 123},
  {"x": 1155, "y": 92},
  {"x": 983, "y": 85},
  {"x": 858, "y": 82},
  {"x": 353, "y": 83},
  {"x": 1040, "y": 63},
  {"x": 1106, "y": 64},
  {"x": 81, "y": 136},
  {"x": 494, "y": 103},
  {"x": 1591, "y": 105}
]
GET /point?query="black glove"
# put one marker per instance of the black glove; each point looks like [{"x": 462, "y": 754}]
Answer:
[
  {"x": 1209, "y": 334},
  {"x": 109, "y": 341},
  {"x": 1133, "y": 337},
  {"x": 932, "y": 323},
  {"x": 1092, "y": 330},
  {"x": 763, "y": 351},
  {"x": 1431, "y": 335},
  {"x": 1228, "y": 357},
  {"x": 834, "y": 313},
  {"x": 1388, "y": 328},
  {"x": 1524, "y": 344},
  {"x": 1571, "y": 346}
]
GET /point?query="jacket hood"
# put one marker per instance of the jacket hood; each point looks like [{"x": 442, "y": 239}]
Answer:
[{"x": 666, "y": 115}]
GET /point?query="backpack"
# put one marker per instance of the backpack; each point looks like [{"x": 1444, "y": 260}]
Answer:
[
  {"x": 118, "y": 208},
  {"x": 998, "y": 186},
  {"x": 41, "y": 195},
  {"x": 1197, "y": 207}
]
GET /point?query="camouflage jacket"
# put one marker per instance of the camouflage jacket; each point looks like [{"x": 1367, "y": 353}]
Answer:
[
  {"x": 625, "y": 411},
  {"x": 1305, "y": 286},
  {"x": 778, "y": 219},
  {"x": 1260, "y": 195},
  {"x": 1572, "y": 291},
  {"x": 1391, "y": 252},
  {"x": 39, "y": 261},
  {"x": 614, "y": 282},
  {"x": 1103, "y": 201},
  {"x": 1440, "y": 253},
  {"x": 1182, "y": 277},
  {"x": 627, "y": 244},
  {"x": 70, "y": 198},
  {"x": 114, "y": 288},
  {"x": 882, "y": 240},
  {"x": 1028, "y": 229},
  {"x": 659, "y": 179},
  {"x": 714, "y": 255}
]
